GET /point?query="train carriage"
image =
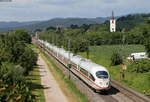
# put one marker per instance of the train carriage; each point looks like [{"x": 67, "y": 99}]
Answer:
[{"x": 96, "y": 76}]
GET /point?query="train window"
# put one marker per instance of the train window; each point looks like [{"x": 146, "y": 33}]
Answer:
[
  {"x": 91, "y": 77},
  {"x": 84, "y": 71},
  {"x": 74, "y": 65},
  {"x": 102, "y": 74}
]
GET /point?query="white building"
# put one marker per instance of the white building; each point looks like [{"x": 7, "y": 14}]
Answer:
[{"x": 113, "y": 23}]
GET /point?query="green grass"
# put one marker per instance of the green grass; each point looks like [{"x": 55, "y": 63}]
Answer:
[
  {"x": 67, "y": 85},
  {"x": 37, "y": 88},
  {"x": 102, "y": 55},
  {"x": 35, "y": 79}
]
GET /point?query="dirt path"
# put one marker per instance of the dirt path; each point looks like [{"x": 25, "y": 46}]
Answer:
[{"x": 52, "y": 90}]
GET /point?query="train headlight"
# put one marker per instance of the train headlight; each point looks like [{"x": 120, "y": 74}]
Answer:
[{"x": 107, "y": 83}]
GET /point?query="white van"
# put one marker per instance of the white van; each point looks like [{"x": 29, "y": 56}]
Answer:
[{"x": 137, "y": 56}]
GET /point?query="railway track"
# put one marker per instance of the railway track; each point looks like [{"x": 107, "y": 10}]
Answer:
[
  {"x": 117, "y": 93},
  {"x": 132, "y": 94}
]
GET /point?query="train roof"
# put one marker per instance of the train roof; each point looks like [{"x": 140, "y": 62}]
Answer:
[
  {"x": 76, "y": 59},
  {"x": 87, "y": 64},
  {"x": 91, "y": 66}
]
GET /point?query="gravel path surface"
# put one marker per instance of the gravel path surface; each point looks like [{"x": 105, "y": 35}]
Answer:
[{"x": 52, "y": 90}]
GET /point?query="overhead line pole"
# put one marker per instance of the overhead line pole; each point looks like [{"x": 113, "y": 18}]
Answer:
[{"x": 69, "y": 65}]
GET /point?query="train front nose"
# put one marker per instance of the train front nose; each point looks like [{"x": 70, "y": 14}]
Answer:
[
  {"x": 104, "y": 84},
  {"x": 102, "y": 79}
]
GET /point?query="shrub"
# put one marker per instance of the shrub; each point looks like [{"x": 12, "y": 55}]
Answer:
[
  {"x": 16, "y": 59},
  {"x": 21, "y": 35},
  {"x": 28, "y": 59},
  {"x": 140, "y": 66},
  {"x": 13, "y": 84},
  {"x": 147, "y": 46},
  {"x": 13, "y": 49},
  {"x": 116, "y": 58}
]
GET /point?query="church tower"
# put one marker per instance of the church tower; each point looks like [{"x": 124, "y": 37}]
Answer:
[{"x": 113, "y": 23}]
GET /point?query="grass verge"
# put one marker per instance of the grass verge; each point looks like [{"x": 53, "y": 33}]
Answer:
[
  {"x": 37, "y": 88},
  {"x": 35, "y": 79}
]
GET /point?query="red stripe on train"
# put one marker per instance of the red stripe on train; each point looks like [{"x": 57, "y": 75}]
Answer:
[{"x": 89, "y": 79}]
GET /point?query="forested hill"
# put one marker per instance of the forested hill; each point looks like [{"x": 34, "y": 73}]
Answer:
[
  {"x": 130, "y": 21},
  {"x": 127, "y": 22},
  {"x": 15, "y": 24},
  {"x": 63, "y": 22}
]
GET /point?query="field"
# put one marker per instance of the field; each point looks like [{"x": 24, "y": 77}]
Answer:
[{"x": 102, "y": 55}]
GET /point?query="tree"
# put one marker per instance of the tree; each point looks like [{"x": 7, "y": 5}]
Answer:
[
  {"x": 140, "y": 66},
  {"x": 22, "y": 35},
  {"x": 38, "y": 30},
  {"x": 13, "y": 48},
  {"x": 16, "y": 59},
  {"x": 147, "y": 40},
  {"x": 72, "y": 26},
  {"x": 13, "y": 84},
  {"x": 147, "y": 46},
  {"x": 85, "y": 27},
  {"x": 51, "y": 28},
  {"x": 27, "y": 59}
]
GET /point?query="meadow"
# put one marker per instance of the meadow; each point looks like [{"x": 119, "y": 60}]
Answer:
[{"x": 102, "y": 55}]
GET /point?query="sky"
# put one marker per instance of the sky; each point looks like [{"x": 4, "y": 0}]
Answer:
[{"x": 32, "y": 10}]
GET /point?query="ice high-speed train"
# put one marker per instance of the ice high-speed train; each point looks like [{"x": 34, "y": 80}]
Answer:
[{"x": 96, "y": 76}]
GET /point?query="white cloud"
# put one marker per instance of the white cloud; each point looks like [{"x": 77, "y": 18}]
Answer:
[
  {"x": 24, "y": 1},
  {"x": 46, "y": 9}
]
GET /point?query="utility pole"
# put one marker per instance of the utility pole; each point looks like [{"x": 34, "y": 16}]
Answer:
[
  {"x": 123, "y": 56},
  {"x": 88, "y": 51},
  {"x": 123, "y": 43},
  {"x": 53, "y": 40},
  {"x": 35, "y": 38},
  {"x": 69, "y": 65}
]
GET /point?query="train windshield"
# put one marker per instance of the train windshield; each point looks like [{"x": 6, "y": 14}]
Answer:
[{"x": 102, "y": 74}]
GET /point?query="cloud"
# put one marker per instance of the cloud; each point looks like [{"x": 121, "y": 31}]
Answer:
[
  {"x": 59, "y": 2},
  {"x": 110, "y": 1},
  {"x": 24, "y": 10},
  {"x": 24, "y": 1}
]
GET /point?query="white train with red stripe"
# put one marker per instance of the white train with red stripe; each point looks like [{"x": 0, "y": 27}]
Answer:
[{"x": 96, "y": 76}]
